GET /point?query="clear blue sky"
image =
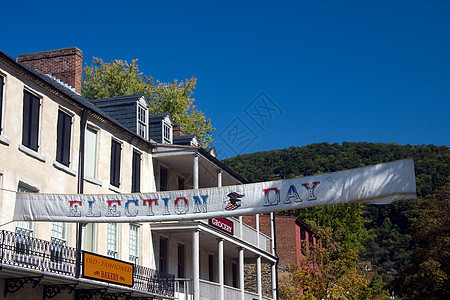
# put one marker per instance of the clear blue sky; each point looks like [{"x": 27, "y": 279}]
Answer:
[{"x": 330, "y": 71}]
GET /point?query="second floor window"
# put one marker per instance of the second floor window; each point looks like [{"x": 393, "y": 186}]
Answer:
[
  {"x": 90, "y": 159},
  {"x": 2, "y": 82},
  {"x": 116, "y": 148},
  {"x": 30, "y": 125},
  {"x": 167, "y": 133},
  {"x": 136, "y": 173},
  {"x": 63, "y": 138}
]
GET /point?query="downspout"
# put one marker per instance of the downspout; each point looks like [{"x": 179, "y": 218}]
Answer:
[{"x": 80, "y": 187}]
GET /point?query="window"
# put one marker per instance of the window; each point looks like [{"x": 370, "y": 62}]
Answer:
[
  {"x": 136, "y": 173},
  {"x": 2, "y": 83},
  {"x": 112, "y": 240},
  {"x": 181, "y": 183},
  {"x": 58, "y": 241},
  {"x": 311, "y": 240},
  {"x": 211, "y": 267},
  {"x": 234, "y": 275},
  {"x": 181, "y": 261},
  {"x": 116, "y": 148},
  {"x": 142, "y": 121},
  {"x": 90, "y": 153},
  {"x": 163, "y": 180},
  {"x": 167, "y": 133},
  {"x": 24, "y": 229},
  {"x": 303, "y": 241},
  {"x": 163, "y": 255},
  {"x": 134, "y": 244},
  {"x": 63, "y": 138},
  {"x": 30, "y": 128}
]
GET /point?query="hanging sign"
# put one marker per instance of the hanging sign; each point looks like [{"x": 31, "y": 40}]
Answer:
[
  {"x": 378, "y": 184},
  {"x": 106, "y": 269},
  {"x": 223, "y": 224}
]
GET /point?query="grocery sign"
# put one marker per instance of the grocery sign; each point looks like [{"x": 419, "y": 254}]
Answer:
[{"x": 223, "y": 224}]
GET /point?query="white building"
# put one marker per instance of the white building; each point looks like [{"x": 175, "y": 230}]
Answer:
[{"x": 52, "y": 140}]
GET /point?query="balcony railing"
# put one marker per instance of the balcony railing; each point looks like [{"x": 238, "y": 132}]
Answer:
[{"x": 32, "y": 253}]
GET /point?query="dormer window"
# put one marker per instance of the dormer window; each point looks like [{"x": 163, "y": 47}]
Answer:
[
  {"x": 142, "y": 121},
  {"x": 167, "y": 133}
]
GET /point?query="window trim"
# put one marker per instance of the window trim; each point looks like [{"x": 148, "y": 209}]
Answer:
[{"x": 169, "y": 139}]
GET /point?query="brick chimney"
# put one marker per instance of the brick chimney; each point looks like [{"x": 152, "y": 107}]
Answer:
[
  {"x": 178, "y": 130},
  {"x": 65, "y": 64}
]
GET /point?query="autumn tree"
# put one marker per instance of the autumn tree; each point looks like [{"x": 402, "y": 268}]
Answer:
[
  {"x": 329, "y": 272},
  {"x": 120, "y": 78}
]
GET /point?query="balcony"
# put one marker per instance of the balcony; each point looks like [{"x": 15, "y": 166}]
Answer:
[
  {"x": 25, "y": 253},
  {"x": 211, "y": 290},
  {"x": 250, "y": 235}
]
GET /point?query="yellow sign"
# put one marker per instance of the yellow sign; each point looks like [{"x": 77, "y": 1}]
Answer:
[{"x": 107, "y": 269}]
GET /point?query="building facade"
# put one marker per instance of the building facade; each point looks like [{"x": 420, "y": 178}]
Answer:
[{"x": 52, "y": 140}]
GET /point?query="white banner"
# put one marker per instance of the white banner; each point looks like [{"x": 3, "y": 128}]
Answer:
[{"x": 378, "y": 184}]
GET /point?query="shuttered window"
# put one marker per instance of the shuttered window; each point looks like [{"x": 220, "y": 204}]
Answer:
[
  {"x": 116, "y": 149},
  {"x": 136, "y": 175},
  {"x": 30, "y": 128},
  {"x": 2, "y": 82},
  {"x": 63, "y": 138}
]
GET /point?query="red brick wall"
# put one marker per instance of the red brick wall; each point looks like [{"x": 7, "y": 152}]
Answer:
[{"x": 65, "y": 64}]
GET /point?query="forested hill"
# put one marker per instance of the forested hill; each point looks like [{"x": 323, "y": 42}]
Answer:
[
  {"x": 382, "y": 234},
  {"x": 432, "y": 163}
]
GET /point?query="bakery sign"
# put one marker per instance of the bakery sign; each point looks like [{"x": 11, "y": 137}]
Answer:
[
  {"x": 223, "y": 224},
  {"x": 106, "y": 269}
]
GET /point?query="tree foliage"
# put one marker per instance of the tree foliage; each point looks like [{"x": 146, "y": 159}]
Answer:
[
  {"x": 329, "y": 272},
  {"x": 120, "y": 78},
  {"x": 427, "y": 277},
  {"x": 385, "y": 230}
]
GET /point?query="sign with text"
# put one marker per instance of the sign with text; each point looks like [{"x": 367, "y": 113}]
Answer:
[
  {"x": 223, "y": 224},
  {"x": 378, "y": 184},
  {"x": 106, "y": 269}
]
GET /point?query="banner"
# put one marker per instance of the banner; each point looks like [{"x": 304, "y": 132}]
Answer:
[{"x": 378, "y": 184}]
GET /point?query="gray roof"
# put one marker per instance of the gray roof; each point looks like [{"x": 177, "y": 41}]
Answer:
[{"x": 77, "y": 98}]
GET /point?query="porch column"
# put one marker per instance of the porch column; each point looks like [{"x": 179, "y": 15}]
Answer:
[
  {"x": 220, "y": 263},
  {"x": 219, "y": 178},
  {"x": 196, "y": 264},
  {"x": 257, "y": 229},
  {"x": 241, "y": 273},
  {"x": 272, "y": 231},
  {"x": 241, "y": 228},
  {"x": 195, "y": 172},
  {"x": 274, "y": 281},
  {"x": 258, "y": 277}
]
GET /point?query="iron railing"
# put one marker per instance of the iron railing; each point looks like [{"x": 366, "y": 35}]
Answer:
[{"x": 32, "y": 253}]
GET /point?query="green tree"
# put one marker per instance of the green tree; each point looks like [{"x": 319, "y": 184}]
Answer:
[
  {"x": 120, "y": 78},
  {"x": 427, "y": 276}
]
